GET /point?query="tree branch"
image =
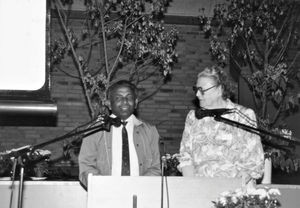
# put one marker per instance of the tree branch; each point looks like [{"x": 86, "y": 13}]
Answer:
[
  {"x": 67, "y": 73},
  {"x": 289, "y": 70},
  {"x": 249, "y": 55},
  {"x": 283, "y": 25},
  {"x": 245, "y": 79},
  {"x": 151, "y": 93},
  {"x": 79, "y": 67},
  {"x": 100, "y": 6},
  {"x": 257, "y": 47},
  {"x": 283, "y": 50},
  {"x": 277, "y": 114},
  {"x": 119, "y": 53},
  {"x": 138, "y": 70}
]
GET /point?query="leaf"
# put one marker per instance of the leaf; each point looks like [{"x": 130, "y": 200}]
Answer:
[{"x": 277, "y": 96}]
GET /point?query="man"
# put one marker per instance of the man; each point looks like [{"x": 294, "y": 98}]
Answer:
[{"x": 101, "y": 152}]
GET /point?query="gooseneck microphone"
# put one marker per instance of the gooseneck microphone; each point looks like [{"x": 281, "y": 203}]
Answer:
[
  {"x": 112, "y": 121},
  {"x": 106, "y": 120},
  {"x": 202, "y": 112}
]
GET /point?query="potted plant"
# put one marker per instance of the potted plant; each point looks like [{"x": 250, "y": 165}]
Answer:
[
  {"x": 249, "y": 198},
  {"x": 38, "y": 161},
  {"x": 170, "y": 164}
]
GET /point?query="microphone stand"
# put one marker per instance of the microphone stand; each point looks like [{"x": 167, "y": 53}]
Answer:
[
  {"x": 251, "y": 129},
  {"x": 162, "y": 182},
  {"x": 257, "y": 131},
  {"x": 21, "y": 154},
  {"x": 21, "y": 183}
]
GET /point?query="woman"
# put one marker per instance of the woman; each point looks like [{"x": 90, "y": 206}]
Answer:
[{"x": 212, "y": 148}]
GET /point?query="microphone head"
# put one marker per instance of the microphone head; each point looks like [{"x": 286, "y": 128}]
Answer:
[
  {"x": 164, "y": 161},
  {"x": 116, "y": 122},
  {"x": 202, "y": 112},
  {"x": 112, "y": 121}
]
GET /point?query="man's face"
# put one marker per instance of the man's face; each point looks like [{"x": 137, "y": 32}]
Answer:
[{"x": 123, "y": 102}]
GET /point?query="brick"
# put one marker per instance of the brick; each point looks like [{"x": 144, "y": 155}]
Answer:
[{"x": 167, "y": 109}]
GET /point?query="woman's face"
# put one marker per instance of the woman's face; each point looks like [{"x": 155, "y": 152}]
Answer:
[{"x": 208, "y": 93}]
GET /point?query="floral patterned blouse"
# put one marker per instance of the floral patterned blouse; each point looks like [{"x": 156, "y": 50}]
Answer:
[{"x": 216, "y": 149}]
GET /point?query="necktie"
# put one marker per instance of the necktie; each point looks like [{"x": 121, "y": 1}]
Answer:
[{"x": 125, "y": 151}]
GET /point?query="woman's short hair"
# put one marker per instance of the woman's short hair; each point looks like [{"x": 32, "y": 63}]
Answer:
[
  {"x": 122, "y": 83},
  {"x": 220, "y": 78}
]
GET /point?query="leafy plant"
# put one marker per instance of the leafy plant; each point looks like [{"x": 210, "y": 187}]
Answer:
[
  {"x": 250, "y": 198},
  {"x": 255, "y": 37},
  {"x": 171, "y": 163},
  {"x": 142, "y": 47},
  {"x": 38, "y": 161}
]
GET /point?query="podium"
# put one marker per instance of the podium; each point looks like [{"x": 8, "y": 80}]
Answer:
[
  {"x": 145, "y": 191},
  {"x": 69, "y": 194},
  {"x": 44, "y": 194}
]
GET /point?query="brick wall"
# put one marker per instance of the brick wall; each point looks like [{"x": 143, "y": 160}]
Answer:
[{"x": 166, "y": 109}]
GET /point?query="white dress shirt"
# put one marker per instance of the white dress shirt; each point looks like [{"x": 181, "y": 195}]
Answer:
[{"x": 117, "y": 149}]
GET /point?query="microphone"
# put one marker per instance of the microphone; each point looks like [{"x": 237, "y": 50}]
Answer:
[
  {"x": 202, "y": 112},
  {"x": 104, "y": 119},
  {"x": 164, "y": 162},
  {"x": 112, "y": 121}
]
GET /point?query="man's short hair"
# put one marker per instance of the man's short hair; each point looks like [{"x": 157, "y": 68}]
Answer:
[{"x": 122, "y": 83}]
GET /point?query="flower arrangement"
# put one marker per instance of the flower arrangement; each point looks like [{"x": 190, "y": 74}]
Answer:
[
  {"x": 39, "y": 155},
  {"x": 249, "y": 198},
  {"x": 171, "y": 163},
  {"x": 40, "y": 159}
]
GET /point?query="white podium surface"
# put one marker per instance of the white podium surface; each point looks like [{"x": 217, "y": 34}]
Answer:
[
  {"x": 183, "y": 192},
  {"x": 44, "y": 194},
  {"x": 179, "y": 192}
]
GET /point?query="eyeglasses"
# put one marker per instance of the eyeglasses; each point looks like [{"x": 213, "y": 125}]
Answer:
[{"x": 196, "y": 89}]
